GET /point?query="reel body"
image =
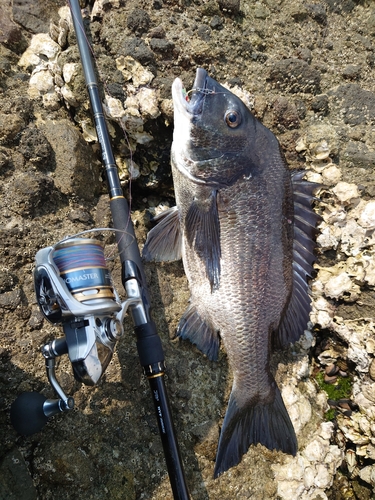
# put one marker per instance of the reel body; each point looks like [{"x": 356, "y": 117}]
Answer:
[{"x": 73, "y": 287}]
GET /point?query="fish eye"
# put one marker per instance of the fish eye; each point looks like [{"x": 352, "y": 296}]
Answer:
[{"x": 232, "y": 119}]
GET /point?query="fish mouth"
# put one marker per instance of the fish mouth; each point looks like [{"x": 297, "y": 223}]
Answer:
[{"x": 190, "y": 102}]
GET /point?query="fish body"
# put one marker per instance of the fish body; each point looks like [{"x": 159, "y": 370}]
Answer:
[{"x": 244, "y": 228}]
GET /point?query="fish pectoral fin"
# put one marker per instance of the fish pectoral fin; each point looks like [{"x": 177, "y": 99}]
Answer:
[
  {"x": 164, "y": 241},
  {"x": 194, "y": 327},
  {"x": 297, "y": 315},
  {"x": 267, "y": 423},
  {"x": 203, "y": 234}
]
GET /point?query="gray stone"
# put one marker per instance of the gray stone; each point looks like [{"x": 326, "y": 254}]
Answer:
[
  {"x": 76, "y": 170},
  {"x": 294, "y": 75}
]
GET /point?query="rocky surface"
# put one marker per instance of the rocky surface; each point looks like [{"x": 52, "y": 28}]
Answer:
[{"x": 307, "y": 69}]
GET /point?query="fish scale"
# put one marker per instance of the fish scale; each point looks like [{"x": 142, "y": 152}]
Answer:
[{"x": 244, "y": 227}]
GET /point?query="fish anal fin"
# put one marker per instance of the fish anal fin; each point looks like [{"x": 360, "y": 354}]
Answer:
[
  {"x": 164, "y": 241},
  {"x": 203, "y": 234},
  {"x": 267, "y": 423},
  {"x": 199, "y": 330},
  {"x": 297, "y": 313}
]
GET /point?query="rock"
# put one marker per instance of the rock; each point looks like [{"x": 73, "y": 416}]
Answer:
[
  {"x": 340, "y": 7},
  {"x": 66, "y": 464},
  {"x": 285, "y": 113},
  {"x": 35, "y": 148},
  {"x": 133, "y": 70},
  {"x": 204, "y": 32},
  {"x": 232, "y": 6},
  {"x": 319, "y": 104},
  {"x": 30, "y": 192},
  {"x": 367, "y": 216},
  {"x": 162, "y": 46},
  {"x": 331, "y": 175},
  {"x": 137, "y": 49},
  {"x": 357, "y": 154},
  {"x": 76, "y": 169},
  {"x": 317, "y": 12},
  {"x": 41, "y": 46},
  {"x": 345, "y": 192},
  {"x": 294, "y": 75},
  {"x": 10, "y": 126},
  {"x": 138, "y": 21},
  {"x": 355, "y": 104},
  {"x": 10, "y": 34},
  {"x": 367, "y": 474},
  {"x": 28, "y": 14},
  {"x": 351, "y": 72},
  {"x": 16, "y": 482}
]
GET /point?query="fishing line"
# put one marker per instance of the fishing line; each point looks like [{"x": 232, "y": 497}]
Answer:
[
  {"x": 202, "y": 91},
  {"x": 112, "y": 255}
]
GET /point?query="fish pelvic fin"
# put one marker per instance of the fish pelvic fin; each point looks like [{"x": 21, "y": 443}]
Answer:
[
  {"x": 200, "y": 331},
  {"x": 267, "y": 423},
  {"x": 297, "y": 314},
  {"x": 164, "y": 241}
]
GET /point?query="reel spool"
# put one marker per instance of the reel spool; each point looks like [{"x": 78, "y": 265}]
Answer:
[{"x": 74, "y": 288}]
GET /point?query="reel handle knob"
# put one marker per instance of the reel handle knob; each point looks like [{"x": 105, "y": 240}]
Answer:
[{"x": 26, "y": 413}]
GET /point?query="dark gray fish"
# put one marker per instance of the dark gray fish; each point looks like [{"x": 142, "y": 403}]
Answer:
[{"x": 244, "y": 228}]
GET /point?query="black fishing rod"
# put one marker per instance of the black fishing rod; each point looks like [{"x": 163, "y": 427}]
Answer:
[{"x": 148, "y": 341}]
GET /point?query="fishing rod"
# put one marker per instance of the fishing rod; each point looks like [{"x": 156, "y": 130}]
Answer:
[
  {"x": 74, "y": 288},
  {"x": 148, "y": 341}
]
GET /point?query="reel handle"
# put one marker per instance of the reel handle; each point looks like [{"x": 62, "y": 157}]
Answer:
[{"x": 30, "y": 412}]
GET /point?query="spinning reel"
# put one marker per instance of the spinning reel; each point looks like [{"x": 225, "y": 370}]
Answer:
[{"x": 74, "y": 288}]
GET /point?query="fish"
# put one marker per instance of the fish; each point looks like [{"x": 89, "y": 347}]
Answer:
[{"x": 245, "y": 229}]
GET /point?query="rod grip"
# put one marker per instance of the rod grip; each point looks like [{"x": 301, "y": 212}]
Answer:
[{"x": 150, "y": 349}]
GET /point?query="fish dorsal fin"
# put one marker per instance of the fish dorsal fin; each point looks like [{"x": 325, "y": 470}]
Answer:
[
  {"x": 296, "y": 316},
  {"x": 164, "y": 241},
  {"x": 202, "y": 229}
]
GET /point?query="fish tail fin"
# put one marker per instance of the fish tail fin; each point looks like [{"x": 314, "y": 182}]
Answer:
[{"x": 267, "y": 423}]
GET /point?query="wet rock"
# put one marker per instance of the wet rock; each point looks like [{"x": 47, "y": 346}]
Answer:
[
  {"x": 294, "y": 75},
  {"x": 76, "y": 169}
]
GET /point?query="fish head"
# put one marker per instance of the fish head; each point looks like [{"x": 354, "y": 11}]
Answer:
[{"x": 214, "y": 133}]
